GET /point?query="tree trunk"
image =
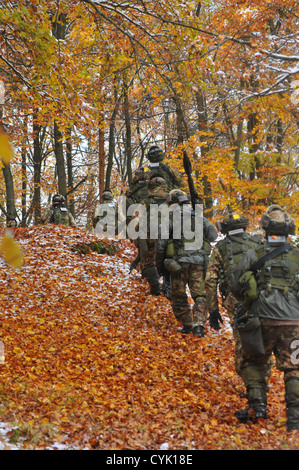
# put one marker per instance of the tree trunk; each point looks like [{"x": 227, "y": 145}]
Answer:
[
  {"x": 11, "y": 212},
  {"x": 24, "y": 177},
  {"x": 111, "y": 149},
  {"x": 128, "y": 138},
  {"x": 58, "y": 150},
  {"x": 252, "y": 126},
  {"x": 70, "y": 180},
  {"x": 101, "y": 159},
  {"x": 37, "y": 159},
  {"x": 203, "y": 124}
]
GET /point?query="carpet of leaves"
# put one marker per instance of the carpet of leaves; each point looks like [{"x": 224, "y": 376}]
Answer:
[{"x": 92, "y": 361}]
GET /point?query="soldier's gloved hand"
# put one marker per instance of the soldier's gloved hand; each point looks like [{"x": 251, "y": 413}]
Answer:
[{"x": 214, "y": 319}]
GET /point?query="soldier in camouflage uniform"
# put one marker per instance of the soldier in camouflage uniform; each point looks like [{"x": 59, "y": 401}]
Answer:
[
  {"x": 225, "y": 256},
  {"x": 135, "y": 195},
  {"x": 58, "y": 213},
  {"x": 157, "y": 191},
  {"x": 276, "y": 309},
  {"x": 138, "y": 190},
  {"x": 174, "y": 180},
  {"x": 187, "y": 265},
  {"x": 156, "y": 166},
  {"x": 105, "y": 217},
  {"x": 12, "y": 223}
]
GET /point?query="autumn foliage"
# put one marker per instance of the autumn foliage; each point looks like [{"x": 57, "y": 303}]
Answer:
[{"x": 93, "y": 361}]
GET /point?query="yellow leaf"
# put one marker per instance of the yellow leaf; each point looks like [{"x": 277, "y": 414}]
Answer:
[
  {"x": 6, "y": 151},
  {"x": 11, "y": 250}
]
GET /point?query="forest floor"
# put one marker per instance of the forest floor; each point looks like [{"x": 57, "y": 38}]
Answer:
[{"x": 92, "y": 361}]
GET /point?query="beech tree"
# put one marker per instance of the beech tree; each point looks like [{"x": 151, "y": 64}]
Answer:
[{"x": 106, "y": 79}]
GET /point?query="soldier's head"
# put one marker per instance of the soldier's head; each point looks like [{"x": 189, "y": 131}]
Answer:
[
  {"x": 107, "y": 195},
  {"x": 177, "y": 196},
  {"x": 155, "y": 154},
  {"x": 231, "y": 221},
  {"x": 58, "y": 200},
  {"x": 276, "y": 221},
  {"x": 141, "y": 174},
  {"x": 12, "y": 223}
]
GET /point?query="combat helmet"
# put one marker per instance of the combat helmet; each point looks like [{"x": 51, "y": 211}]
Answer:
[
  {"x": 177, "y": 196},
  {"x": 107, "y": 195},
  {"x": 231, "y": 221},
  {"x": 155, "y": 154},
  {"x": 12, "y": 223},
  {"x": 58, "y": 199},
  {"x": 276, "y": 221}
]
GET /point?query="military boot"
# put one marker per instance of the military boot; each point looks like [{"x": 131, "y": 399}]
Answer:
[
  {"x": 198, "y": 331},
  {"x": 254, "y": 379},
  {"x": 152, "y": 277},
  {"x": 185, "y": 329},
  {"x": 292, "y": 403}
]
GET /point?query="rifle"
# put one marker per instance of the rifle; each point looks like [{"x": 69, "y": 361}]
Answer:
[{"x": 195, "y": 199}]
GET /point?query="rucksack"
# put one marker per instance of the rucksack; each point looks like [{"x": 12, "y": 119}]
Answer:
[
  {"x": 163, "y": 170},
  {"x": 232, "y": 249},
  {"x": 275, "y": 269},
  {"x": 60, "y": 215}
]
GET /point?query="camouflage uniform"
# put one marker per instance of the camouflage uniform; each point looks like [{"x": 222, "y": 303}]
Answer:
[
  {"x": 135, "y": 195},
  {"x": 174, "y": 180},
  {"x": 138, "y": 190},
  {"x": 157, "y": 190},
  {"x": 105, "y": 217},
  {"x": 225, "y": 256},
  {"x": 58, "y": 213},
  {"x": 277, "y": 308},
  {"x": 172, "y": 176},
  {"x": 191, "y": 265},
  {"x": 12, "y": 223}
]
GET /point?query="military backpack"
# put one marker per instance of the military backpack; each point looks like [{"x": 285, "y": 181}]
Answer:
[
  {"x": 232, "y": 249},
  {"x": 60, "y": 215}
]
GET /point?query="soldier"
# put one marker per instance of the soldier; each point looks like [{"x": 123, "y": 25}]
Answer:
[
  {"x": 135, "y": 195},
  {"x": 225, "y": 256},
  {"x": 187, "y": 265},
  {"x": 58, "y": 213},
  {"x": 270, "y": 286},
  {"x": 156, "y": 166},
  {"x": 157, "y": 191},
  {"x": 12, "y": 223},
  {"x": 105, "y": 217}
]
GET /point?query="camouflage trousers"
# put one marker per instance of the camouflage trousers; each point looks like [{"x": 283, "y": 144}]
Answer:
[
  {"x": 148, "y": 252},
  {"x": 230, "y": 304},
  {"x": 191, "y": 275},
  {"x": 282, "y": 339}
]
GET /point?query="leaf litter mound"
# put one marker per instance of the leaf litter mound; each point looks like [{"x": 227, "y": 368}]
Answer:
[{"x": 92, "y": 361}]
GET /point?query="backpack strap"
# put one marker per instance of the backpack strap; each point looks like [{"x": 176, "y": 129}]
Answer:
[{"x": 271, "y": 254}]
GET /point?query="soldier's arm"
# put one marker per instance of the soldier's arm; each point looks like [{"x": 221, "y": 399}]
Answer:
[
  {"x": 212, "y": 279},
  {"x": 47, "y": 216}
]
